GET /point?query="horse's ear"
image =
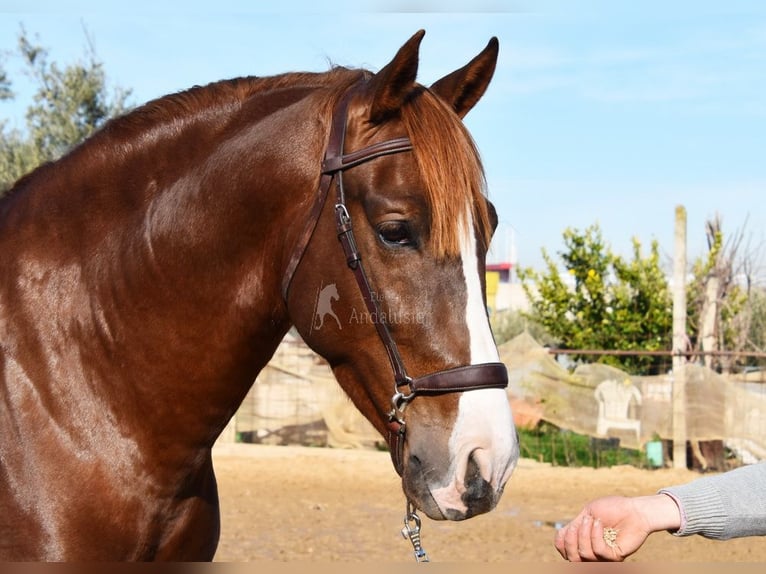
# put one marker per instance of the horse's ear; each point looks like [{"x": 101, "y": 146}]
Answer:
[
  {"x": 464, "y": 87},
  {"x": 391, "y": 85}
]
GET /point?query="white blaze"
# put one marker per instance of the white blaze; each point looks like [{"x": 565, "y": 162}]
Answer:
[
  {"x": 484, "y": 424},
  {"x": 483, "y": 349}
]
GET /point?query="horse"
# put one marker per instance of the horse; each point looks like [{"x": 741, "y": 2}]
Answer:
[{"x": 149, "y": 274}]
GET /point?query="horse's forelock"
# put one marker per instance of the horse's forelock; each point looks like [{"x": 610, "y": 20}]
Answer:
[{"x": 450, "y": 168}]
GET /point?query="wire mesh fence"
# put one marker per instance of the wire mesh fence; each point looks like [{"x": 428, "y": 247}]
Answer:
[{"x": 296, "y": 400}]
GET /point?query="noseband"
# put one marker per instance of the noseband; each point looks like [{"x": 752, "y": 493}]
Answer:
[{"x": 459, "y": 379}]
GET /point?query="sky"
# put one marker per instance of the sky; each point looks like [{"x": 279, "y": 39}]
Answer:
[{"x": 607, "y": 113}]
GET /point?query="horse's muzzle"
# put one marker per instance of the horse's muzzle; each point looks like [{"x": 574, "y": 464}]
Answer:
[{"x": 474, "y": 487}]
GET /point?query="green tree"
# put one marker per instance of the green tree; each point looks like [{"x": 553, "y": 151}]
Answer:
[
  {"x": 607, "y": 302},
  {"x": 69, "y": 104}
]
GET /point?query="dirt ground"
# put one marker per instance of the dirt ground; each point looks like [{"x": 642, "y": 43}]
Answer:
[{"x": 303, "y": 504}]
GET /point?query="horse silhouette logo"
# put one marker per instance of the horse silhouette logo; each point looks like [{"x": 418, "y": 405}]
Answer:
[{"x": 325, "y": 296}]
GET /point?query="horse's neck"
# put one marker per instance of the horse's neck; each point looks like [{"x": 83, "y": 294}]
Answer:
[
  {"x": 177, "y": 299},
  {"x": 199, "y": 287}
]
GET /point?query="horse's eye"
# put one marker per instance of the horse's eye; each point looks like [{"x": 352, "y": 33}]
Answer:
[{"x": 396, "y": 233}]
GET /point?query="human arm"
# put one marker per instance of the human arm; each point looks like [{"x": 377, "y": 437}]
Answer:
[{"x": 723, "y": 506}]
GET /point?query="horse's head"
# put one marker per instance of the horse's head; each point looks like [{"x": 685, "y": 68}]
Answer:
[{"x": 412, "y": 323}]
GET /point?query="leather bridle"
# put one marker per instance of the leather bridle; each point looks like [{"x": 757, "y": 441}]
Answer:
[{"x": 459, "y": 379}]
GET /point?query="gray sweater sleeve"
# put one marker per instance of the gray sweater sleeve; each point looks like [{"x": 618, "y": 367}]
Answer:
[{"x": 728, "y": 505}]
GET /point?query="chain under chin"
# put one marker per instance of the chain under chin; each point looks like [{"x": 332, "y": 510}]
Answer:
[{"x": 411, "y": 530}]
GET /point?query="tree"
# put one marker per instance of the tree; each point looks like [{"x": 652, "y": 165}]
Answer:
[
  {"x": 607, "y": 303},
  {"x": 724, "y": 305},
  {"x": 69, "y": 105}
]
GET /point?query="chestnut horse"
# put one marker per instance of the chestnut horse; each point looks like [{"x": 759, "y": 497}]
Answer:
[{"x": 149, "y": 275}]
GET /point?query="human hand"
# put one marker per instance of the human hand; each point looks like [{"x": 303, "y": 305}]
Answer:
[{"x": 633, "y": 520}]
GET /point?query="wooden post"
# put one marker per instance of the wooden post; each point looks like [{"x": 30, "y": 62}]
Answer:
[{"x": 679, "y": 340}]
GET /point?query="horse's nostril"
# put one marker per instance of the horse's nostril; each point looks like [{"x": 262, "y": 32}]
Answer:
[
  {"x": 478, "y": 496},
  {"x": 472, "y": 470},
  {"x": 476, "y": 486}
]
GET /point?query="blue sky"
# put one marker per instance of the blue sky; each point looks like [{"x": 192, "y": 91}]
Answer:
[{"x": 599, "y": 112}]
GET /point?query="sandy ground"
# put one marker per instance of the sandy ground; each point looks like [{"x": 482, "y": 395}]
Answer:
[{"x": 303, "y": 504}]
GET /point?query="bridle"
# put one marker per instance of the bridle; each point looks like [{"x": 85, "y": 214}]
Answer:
[{"x": 459, "y": 379}]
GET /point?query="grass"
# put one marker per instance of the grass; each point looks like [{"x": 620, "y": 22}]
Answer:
[{"x": 560, "y": 447}]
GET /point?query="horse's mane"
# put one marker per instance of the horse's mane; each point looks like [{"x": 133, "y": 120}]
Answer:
[{"x": 218, "y": 98}]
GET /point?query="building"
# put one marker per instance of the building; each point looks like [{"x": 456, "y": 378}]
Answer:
[{"x": 503, "y": 293}]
